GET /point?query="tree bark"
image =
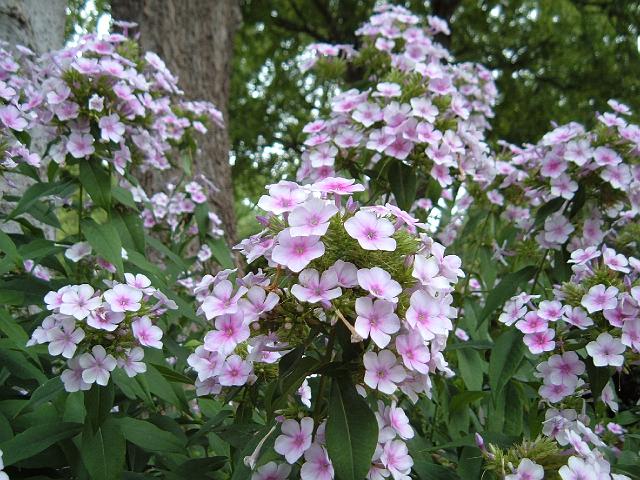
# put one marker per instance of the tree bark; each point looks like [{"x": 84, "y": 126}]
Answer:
[
  {"x": 38, "y": 25},
  {"x": 195, "y": 39}
]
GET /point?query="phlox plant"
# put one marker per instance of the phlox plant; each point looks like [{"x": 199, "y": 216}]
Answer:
[
  {"x": 353, "y": 304},
  {"x": 422, "y": 302},
  {"x": 96, "y": 274}
]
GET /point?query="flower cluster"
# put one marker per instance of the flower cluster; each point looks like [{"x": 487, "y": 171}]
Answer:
[
  {"x": 421, "y": 109},
  {"x": 97, "y": 331},
  {"x": 331, "y": 265},
  {"x": 98, "y": 99},
  {"x": 16, "y": 107},
  {"x": 594, "y": 319},
  {"x": 571, "y": 167}
]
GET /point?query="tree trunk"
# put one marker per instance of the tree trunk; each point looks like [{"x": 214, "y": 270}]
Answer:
[
  {"x": 38, "y": 25},
  {"x": 195, "y": 39}
]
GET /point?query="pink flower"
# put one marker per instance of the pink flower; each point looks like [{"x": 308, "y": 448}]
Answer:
[
  {"x": 427, "y": 270},
  {"x": 513, "y": 310},
  {"x": 581, "y": 256},
  {"x": 146, "y": 333},
  {"x": 105, "y": 319},
  {"x": 577, "y": 317},
  {"x": 557, "y": 229},
  {"x": 423, "y": 108},
  {"x": 304, "y": 392},
  {"x": 527, "y": 470},
  {"x": 72, "y": 377},
  {"x": 78, "y": 301},
  {"x": 376, "y": 318},
  {"x": 372, "y": 233},
  {"x": 311, "y": 218},
  {"x": 11, "y": 117},
  {"x": 550, "y": 310},
  {"x": 283, "y": 197},
  {"x": 337, "y": 185},
  {"x": 532, "y": 323},
  {"x": 606, "y": 350},
  {"x": 317, "y": 465},
  {"x": 346, "y": 273},
  {"x": 111, "y": 128},
  {"x": 382, "y": 371},
  {"x": 563, "y": 369},
  {"x": 631, "y": 333},
  {"x": 392, "y": 421},
  {"x": 230, "y": 331},
  {"x": 605, "y": 156},
  {"x": 139, "y": 281},
  {"x": 295, "y": 439},
  {"x": 323, "y": 155},
  {"x": 78, "y": 251},
  {"x": 540, "y": 341},
  {"x": 207, "y": 364},
  {"x": 65, "y": 338},
  {"x": 296, "y": 252},
  {"x": 378, "y": 283},
  {"x": 96, "y": 366},
  {"x": 387, "y": 89},
  {"x": 235, "y": 371},
  {"x": 80, "y": 145},
  {"x": 577, "y": 469},
  {"x": 272, "y": 471},
  {"x": 428, "y": 315},
  {"x": 367, "y": 114},
  {"x": 615, "y": 261},
  {"x": 600, "y": 298},
  {"x": 395, "y": 457},
  {"x": 123, "y": 298},
  {"x": 257, "y": 302},
  {"x": 222, "y": 301},
  {"x": 555, "y": 393},
  {"x": 131, "y": 363},
  {"x": 314, "y": 288}
]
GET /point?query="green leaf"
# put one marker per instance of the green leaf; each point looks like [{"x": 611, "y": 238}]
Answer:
[
  {"x": 130, "y": 230},
  {"x": 12, "y": 329},
  {"x": 220, "y": 251},
  {"x": 351, "y": 432},
  {"x": 38, "y": 190},
  {"x": 461, "y": 400},
  {"x": 96, "y": 180},
  {"x": 9, "y": 248},
  {"x": 286, "y": 384},
  {"x": 432, "y": 471},
  {"x": 403, "y": 181},
  {"x": 470, "y": 365},
  {"x": 506, "y": 356},
  {"x": 160, "y": 247},
  {"x": 124, "y": 197},
  {"x": 36, "y": 439},
  {"x": 598, "y": 376},
  {"x": 44, "y": 393},
  {"x": 98, "y": 401},
  {"x": 149, "y": 437},
  {"x": 103, "y": 451},
  {"x": 505, "y": 290},
  {"x": 105, "y": 241},
  {"x": 199, "y": 467},
  {"x": 513, "y": 409},
  {"x": 20, "y": 366},
  {"x": 172, "y": 375},
  {"x": 547, "y": 209}
]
